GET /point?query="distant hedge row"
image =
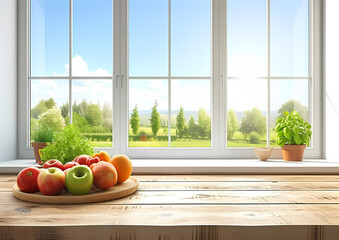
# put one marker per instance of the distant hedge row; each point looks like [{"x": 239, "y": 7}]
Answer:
[
  {"x": 103, "y": 137},
  {"x": 151, "y": 138}
]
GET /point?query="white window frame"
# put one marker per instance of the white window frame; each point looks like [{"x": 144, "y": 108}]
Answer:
[{"x": 218, "y": 87}]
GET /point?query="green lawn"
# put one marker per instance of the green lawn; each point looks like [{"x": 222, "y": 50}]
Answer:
[
  {"x": 238, "y": 141},
  {"x": 177, "y": 143}
]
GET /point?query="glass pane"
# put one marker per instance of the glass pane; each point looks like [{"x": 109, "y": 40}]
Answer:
[
  {"x": 191, "y": 37},
  {"x": 49, "y": 37},
  {"x": 246, "y": 113},
  {"x": 148, "y": 38},
  {"x": 49, "y": 106},
  {"x": 289, "y": 37},
  {"x": 247, "y": 38},
  {"x": 191, "y": 113},
  {"x": 295, "y": 97},
  {"x": 92, "y": 110},
  {"x": 92, "y": 38},
  {"x": 148, "y": 113}
]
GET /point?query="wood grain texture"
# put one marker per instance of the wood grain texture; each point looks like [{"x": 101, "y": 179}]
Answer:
[
  {"x": 206, "y": 207},
  {"x": 182, "y": 197}
]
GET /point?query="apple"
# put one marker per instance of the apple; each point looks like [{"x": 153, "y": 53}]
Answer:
[
  {"x": 79, "y": 180},
  {"x": 90, "y": 161},
  {"x": 53, "y": 163},
  {"x": 51, "y": 181},
  {"x": 105, "y": 175},
  {"x": 27, "y": 180},
  {"x": 82, "y": 159},
  {"x": 70, "y": 165}
]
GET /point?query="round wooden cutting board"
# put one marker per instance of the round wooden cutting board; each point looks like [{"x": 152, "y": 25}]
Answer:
[{"x": 95, "y": 195}]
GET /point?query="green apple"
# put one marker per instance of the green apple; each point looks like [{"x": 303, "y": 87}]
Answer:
[{"x": 79, "y": 180}]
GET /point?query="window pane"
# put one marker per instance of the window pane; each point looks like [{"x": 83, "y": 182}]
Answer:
[
  {"x": 246, "y": 38},
  {"x": 92, "y": 38},
  {"x": 92, "y": 110},
  {"x": 191, "y": 113},
  {"x": 148, "y": 99},
  {"x": 148, "y": 38},
  {"x": 49, "y": 37},
  {"x": 246, "y": 113},
  {"x": 295, "y": 97},
  {"x": 289, "y": 37},
  {"x": 191, "y": 37},
  {"x": 49, "y": 105}
]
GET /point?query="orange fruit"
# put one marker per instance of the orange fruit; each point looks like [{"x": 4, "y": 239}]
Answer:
[
  {"x": 103, "y": 156},
  {"x": 123, "y": 166}
]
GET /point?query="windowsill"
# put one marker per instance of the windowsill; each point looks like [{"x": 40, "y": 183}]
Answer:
[{"x": 209, "y": 166}]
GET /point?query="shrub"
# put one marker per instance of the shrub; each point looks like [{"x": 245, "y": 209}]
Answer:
[{"x": 254, "y": 137}]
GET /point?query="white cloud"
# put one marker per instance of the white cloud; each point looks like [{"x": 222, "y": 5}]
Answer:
[{"x": 80, "y": 68}]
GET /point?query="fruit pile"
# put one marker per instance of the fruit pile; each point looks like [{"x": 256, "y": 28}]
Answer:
[{"x": 77, "y": 176}]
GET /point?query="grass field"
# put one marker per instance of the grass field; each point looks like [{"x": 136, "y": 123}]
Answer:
[{"x": 237, "y": 141}]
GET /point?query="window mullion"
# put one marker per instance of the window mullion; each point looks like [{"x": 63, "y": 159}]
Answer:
[
  {"x": 268, "y": 122},
  {"x": 70, "y": 82},
  {"x": 169, "y": 73}
]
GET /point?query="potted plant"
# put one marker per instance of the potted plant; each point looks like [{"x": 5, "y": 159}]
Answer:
[
  {"x": 68, "y": 145},
  {"x": 41, "y": 137},
  {"x": 293, "y": 134}
]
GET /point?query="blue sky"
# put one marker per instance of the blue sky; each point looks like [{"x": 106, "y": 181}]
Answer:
[{"x": 190, "y": 50}]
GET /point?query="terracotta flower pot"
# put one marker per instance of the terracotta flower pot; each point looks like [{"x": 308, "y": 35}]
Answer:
[
  {"x": 36, "y": 147},
  {"x": 293, "y": 152}
]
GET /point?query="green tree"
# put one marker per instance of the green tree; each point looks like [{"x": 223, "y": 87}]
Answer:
[
  {"x": 192, "y": 127},
  {"x": 204, "y": 123},
  {"x": 135, "y": 120},
  {"x": 78, "y": 121},
  {"x": 181, "y": 123},
  {"x": 83, "y": 108},
  {"x": 155, "y": 119},
  {"x": 50, "y": 103},
  {"x": 94, "y": 115},
  {"x": 253, "y": 121},
  {"x": 232, "y": 123},
  {"x": 107, "y": 114},
  {"x": 38, "y": 109},
  {"x": 64, "y": 110},
  {"x": 291, "y": 105},
  {"x": 53, "y": 119}
]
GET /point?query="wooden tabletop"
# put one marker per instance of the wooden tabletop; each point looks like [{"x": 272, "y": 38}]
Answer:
[{"x": 187, "y": 207}]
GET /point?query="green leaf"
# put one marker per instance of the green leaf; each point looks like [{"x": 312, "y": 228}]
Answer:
[
  {"x": 297, "y": 139},
  {"x": 295, "y": 130},
  {"x": 286, "y": 113},
  {"x": 287, "y": 133}
]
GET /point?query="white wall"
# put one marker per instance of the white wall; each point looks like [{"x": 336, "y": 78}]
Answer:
[
  {"x": 8, "y": 79},
  {"x": 332, "y": 79}
]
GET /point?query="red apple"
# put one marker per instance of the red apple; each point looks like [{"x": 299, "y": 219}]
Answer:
[
  {"x": 53, "y": 163},
  {"x": 90, "y": 161},
  {"x": 51, "y": 181},
  {"x": 70, "y": 165},
  {"x": 105, "y": 175},
  {"x": 82, "y": 159},
  {"x": 27, "y": 180}
]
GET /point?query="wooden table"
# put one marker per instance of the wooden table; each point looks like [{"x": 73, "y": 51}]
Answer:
[{"x": 187, "y": 207}]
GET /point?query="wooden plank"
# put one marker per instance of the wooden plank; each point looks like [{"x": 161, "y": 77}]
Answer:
[
  {"x": 212, "y": 197},
  {"x": 7, "y": 182},
  {"x": 227, "y": 178},
  {"x": 163, "y": 233},
  {"x": 238, "y": 186},
  {"x": 222, "y": 186},
  {"x": 240, "y": 178},
  {"x": 168, "y": 215}
]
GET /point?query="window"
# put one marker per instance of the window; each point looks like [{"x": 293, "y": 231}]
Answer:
[{"x": 170, "y": 78}]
